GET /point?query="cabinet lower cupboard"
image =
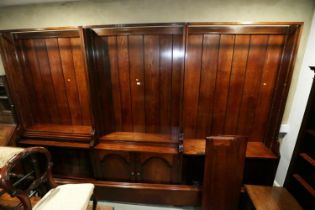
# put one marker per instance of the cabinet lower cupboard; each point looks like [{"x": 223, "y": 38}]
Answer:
[
  {"x": 139, "y": 167},
  {"x": 128, "y": 107}
]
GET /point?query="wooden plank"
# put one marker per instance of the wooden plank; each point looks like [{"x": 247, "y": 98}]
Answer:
[
  {"x": 165, "y": 87},
  {"x": 223, "y": 172},
  {"x": 46, "y": 34},
  {"x": 58, "y": 81},
  {"x": 208, "y": 77},
  {"x": 21, "y": 51},
  {"x": 137, "y": 81},
  {"x": 240, "y": 56},
  {"x": 70, "y": 80},
  {"x": 180, "y": 195},
  {"x": 48, "y": 87},
  {"x": 254, "y": 149},
  {"x": 115, "y": 86},
  {"x": 43, "y": 117},
  {"x": 191, "y": 84},
  {"x": 271, "y": 198},
  {"x": 138, "y": 30},
  {"x": 222, "y": 86},
  {"x": 255, "y": 65},
  {"x": 177, "y": 81},
  {"x": 237, "y": 29},
  {"x": 124, "y": 82},
  {"x": 81, "y": 80},
  {"x": 271, "y": 67},
  {"x": 152, "y": 78}
]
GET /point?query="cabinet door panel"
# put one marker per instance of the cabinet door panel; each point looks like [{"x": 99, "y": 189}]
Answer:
[
  {"x": 157, "y": 168},
  {"x": 116, "y": 166}
]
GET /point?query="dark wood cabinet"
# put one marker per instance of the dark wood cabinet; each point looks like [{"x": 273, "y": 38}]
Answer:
[
  {"x": 128, "y": 107},
  {"x": 300, "y": 177},
  {"x": 138, "y": 167}
]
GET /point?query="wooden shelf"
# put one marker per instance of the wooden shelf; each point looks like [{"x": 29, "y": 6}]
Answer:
[
  {"x": 254, "y": 149},
  {"x": 139, "y": 142},
  {"x": 308, "y": 159},
  {"x": 76, "y": 132},
  {"x": 310, "y": 132},
  {"x": 139, "y": 137},
  {"x": 51, "y": 143},
  {"x": 271, "y": 198},
  {"x": 305, "y": 185}
]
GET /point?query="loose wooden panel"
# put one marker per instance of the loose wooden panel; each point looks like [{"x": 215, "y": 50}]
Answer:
[
  {"x": 144, "y": 83},
  {"x": 56, "y": 80},
  {"x": 229, "y": 83}
]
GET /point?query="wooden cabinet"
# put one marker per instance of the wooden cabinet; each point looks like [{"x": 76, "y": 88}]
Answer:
[
  {"x": 135, "y": 102},
  {"x": 46, "y": 72},
  {"x": 138, "y": 167},
  {"x": 300, "y": 178}
]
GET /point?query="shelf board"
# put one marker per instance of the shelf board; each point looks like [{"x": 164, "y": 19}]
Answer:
[
  {"x": 50, "y": 143},
  {"x": 58, "y": 131},
  {"x": 139, "y": 137},
  {"x": 271, "y": 198},
  {"x": 123, "y": 146},
  {"x": 310, "y": 132},
  {"x": 308, "y": 159},
  {"x": 254, "y": 149},
  {"x": 4, "y": 97},
  {"x": 139, "y": 142},
  {"x": 305, "y": 185}
]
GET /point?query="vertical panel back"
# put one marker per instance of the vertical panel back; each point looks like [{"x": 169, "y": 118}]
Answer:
[
  {"x": 55, "y": 77},
  {"x": 141, "y": 69},
  {"x": 229, "y": 80}
]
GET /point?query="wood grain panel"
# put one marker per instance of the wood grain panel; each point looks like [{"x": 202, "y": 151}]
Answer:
[
  {"x": 177, "y": 81},
  {"x": 165, "y": 87},
  {"x": 191, "y": 84},
  {"x": 271, "y": 67},
  {"x": 241, "y": 49},
  {"x": 207, "y": 84},
  {"x": 222, "y": 83},
  {"x": 48, "y": 88},
  {"x": 115, "y": 86},
  {"x": 29, "y": 83},
  {"x": 70, "y": 80},
  {"x": 81, "y": 79},
  {"x": 124, "y": 81},
  {"x": 38, "y": 85},
  {"x": 58, "y": 81},
  {"x": 152, "y": 77},
  {"x": 137, "y": 82},
  {"x": 255, "y": 65}
]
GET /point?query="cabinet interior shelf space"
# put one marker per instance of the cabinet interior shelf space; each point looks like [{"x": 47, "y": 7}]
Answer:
[
  {"x": 52, "y": 130},
  {"x": 305, "y": 185},
  {"x": 308, "y": 159}
]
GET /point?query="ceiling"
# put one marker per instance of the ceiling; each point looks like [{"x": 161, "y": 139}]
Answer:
[{"x": 6, "y": 3}]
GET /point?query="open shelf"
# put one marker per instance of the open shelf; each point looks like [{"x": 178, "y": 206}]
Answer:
[
  {"x": 305, "y": 185},
  {"x": 76, "y": 132},
  {"x": 140, "y": 137},
  {"x": 254, "y": 149},
  {"x": 139, "y": 142},
  {"x": 308, "y": 159}
]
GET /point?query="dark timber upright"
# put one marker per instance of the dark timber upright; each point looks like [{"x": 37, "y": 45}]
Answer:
[
  {"x": 128, "y": 107},
  {"x": 223, "y": 172}
]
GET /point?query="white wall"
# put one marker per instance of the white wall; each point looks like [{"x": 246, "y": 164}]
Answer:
[{"x": 298, "y": 107}]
